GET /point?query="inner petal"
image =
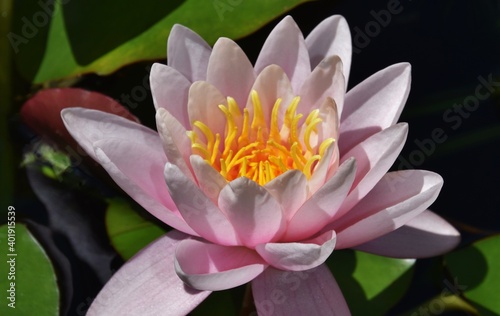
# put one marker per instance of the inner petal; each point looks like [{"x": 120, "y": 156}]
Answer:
[{"x": 253, "y": 148}]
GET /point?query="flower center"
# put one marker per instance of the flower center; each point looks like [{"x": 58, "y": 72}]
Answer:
[{"x": 253, "y": 149}]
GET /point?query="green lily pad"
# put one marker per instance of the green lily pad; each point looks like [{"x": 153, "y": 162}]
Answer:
[
  {"x": 371, "y": 284},
  {"x": 127, "y": 230},
  {"x": 475, "y": 268},
  {"x": 28, "y": 278},
  {"x": 76, "y": 37}
]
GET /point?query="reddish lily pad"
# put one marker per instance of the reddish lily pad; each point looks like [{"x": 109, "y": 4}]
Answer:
[{"x": 43, "y": 111}]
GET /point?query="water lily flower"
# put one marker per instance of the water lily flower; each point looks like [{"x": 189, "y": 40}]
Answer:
[{"x": 263, "y": 170}]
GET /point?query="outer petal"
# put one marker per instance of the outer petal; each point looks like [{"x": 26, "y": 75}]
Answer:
[
  {"x": 230, "y": 71},
  {"x": 255, "y": 214},
  {"x": 374, "y": 157},
  {"x": 298, "y": 256},
  {"x": 170, "y": 91},
  {"x": 323, "y": 205},
  {"x": 331, "y": 37},
  {"x": 426, "y": 235},
  {"x": 326, "y": 80},
  {"x": 311, "y": 292},
  {"x": 208, "y": 266},
  {"x": 197, "y": 210},
  {"x": 176, "y": 144},
  {"x": 394, "y": 201},
  {"x": 374, "y": 104},
  {"x": 147, "y": 284},
  {"x": 121, "y": 140},
  {"x": 88, "y": 126},
  {"x": 140, "y": 178},
  {"x": 188, "y": 53},
  {"x": 290, "y": 190},
  {"x": 285, "y": 47}
]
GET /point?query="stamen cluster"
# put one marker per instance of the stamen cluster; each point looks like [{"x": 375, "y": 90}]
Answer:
[{"x": 253, "y": 149}]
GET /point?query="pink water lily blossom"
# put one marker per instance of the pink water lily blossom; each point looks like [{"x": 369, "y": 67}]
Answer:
[{"x": 263, "y": 170}]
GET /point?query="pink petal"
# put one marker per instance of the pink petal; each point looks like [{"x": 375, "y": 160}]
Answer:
[
  {"x": 331, "y": 37},
  {"x": 285, "y": 47},
  {"x": 326, "y": 80},
  {"x": 255, "y": 214},
  {"x": 426, "y": 235},
  {"x": 148, "y": 285},
  {"x": 188, "y": 53},
  {"x": 230, "y": 71},
  {"x": 176, "y": 144},
  {"x": 197, "y": 209},
  {"x": 121, "y": 140},
  {"x": 323, "y": 205},
  {"x": 330, "y": 160},
  {"x": 311, "y": 292},
  {"x": 214, "y": 267},
  {"x": 272, "y": 83},
  {"x": 203, "y": 105},
  {"x": 170, "y": 91},
  {"x": 88, "y": 126},
  {"x": 374, "y": 157},
  {"x": 393, "y": 202},
  {"x": 210, "y": 180},
  {"x": 140, "y": 178},
  {"x": 298, "y": 256},
  {"x": 374, "y": 104},
  {"x": 329, "y": 126},
  {"x": 289, "y": 190}
]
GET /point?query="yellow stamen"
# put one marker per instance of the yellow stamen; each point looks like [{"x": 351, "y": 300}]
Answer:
[
  {"x": 259, "y": 150},
  {"x": 243, "y": 139},
  {"x": 275, "y": 132},
  {"x": 307, "y": 168},
  {"x": 310, "y": 127}
]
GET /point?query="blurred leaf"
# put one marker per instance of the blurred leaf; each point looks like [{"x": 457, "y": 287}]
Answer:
[
  {"x": 475, "y": 270},
  {"x": 57, "y": 161},
  {"x": 6, "y": 158},
  {"x": 128, "y": 231},
  {"x": 96, "y": 36},
  {"x": 371, "y": 284},
  {"x": 30, "y": 275}
]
